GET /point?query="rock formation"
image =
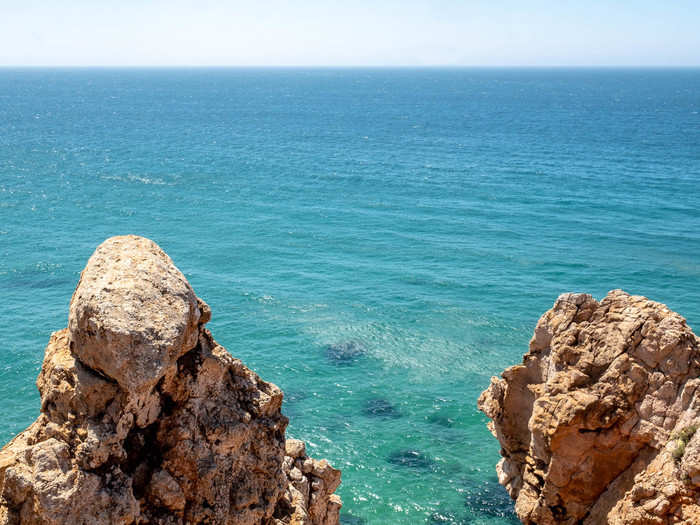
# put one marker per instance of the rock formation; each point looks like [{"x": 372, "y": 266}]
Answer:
[
  {"x": 146, "y": 419},
  {"x": 598, "y": 423}
]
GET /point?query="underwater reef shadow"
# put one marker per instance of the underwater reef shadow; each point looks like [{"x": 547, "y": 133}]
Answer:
[
  {"x": 345, "y": 353},
  {"x": 381, "y": 408}
]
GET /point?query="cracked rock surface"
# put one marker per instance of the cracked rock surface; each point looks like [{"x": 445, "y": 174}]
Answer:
[
  {"x": 146, "y": 419},
  {"x": 589, "y": 423}
]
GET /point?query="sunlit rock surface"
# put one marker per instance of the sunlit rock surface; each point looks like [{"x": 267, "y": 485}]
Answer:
[
  {"x": 596, "y": 425},
  {"x": 146, "y": 419}
]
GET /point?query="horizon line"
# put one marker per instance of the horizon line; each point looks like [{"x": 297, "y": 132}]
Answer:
[{"x": 348, "y": 66}]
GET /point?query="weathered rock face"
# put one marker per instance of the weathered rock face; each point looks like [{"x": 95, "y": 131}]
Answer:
[
  {"x": 133, "y": 313},
  {"x": 589, "y": 424},
  {"x": 146, "y": 419}
]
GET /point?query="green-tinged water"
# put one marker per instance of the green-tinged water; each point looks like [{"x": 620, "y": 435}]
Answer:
[{"x": 376, "y": 242}]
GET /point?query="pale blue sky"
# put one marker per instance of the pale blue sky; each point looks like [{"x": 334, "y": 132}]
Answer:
[{"x": 350, "y": 33}]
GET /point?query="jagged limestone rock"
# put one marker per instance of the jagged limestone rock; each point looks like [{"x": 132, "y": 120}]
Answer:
[
  {"x": 146, "y": 419},
  {"x": 586, "y": 422}
]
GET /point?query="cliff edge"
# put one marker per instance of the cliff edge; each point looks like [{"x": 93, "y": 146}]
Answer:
[
  {"x": 146, "y": 419},
  {"x": 598, "y": 425}
]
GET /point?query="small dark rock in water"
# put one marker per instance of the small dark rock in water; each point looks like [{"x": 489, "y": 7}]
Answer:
[
  {"x": 412, "y": 459},
  {"x": 379, "y": 407},
  {"x": 488, "y": 498},
  {"x": 345, "y": 353},
  {"x": 349, "y": 519}
]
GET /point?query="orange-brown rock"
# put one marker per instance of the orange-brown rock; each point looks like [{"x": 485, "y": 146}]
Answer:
[
  {"x": 146, "y": 419},
  {"x": 597, "y": 424}
]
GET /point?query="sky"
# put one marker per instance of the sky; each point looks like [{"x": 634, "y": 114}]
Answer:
[{"x": 349, "y": 33}]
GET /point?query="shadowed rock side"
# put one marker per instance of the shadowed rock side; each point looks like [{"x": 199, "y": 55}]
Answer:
[
  {"x": 597, "y": 425},
  {"x": 146, "y": 419}
]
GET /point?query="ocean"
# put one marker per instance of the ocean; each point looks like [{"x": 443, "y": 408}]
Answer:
[{"x": 377, "y": 242}]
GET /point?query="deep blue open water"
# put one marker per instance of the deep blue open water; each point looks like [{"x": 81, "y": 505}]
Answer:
[{"x": 376, "y": 242}]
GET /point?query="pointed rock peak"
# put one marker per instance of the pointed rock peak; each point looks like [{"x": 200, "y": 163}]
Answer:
[{"x": 207, "y": 445}]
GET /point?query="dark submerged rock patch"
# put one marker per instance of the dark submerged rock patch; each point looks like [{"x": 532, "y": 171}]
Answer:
[
  {"x": 413, "y": 459},
  {"x": 380, "y": 407},
  {"x": 440, "y": 419},
  {"x": 345, "y": 353}
]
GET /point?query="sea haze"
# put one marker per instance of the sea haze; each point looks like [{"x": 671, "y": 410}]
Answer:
[{"x": 377, "y": 242}]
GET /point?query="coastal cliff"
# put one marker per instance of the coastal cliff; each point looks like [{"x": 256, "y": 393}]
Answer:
[
  {"x": 598, "y": 424},
  {"x": 146, "y": 419}
]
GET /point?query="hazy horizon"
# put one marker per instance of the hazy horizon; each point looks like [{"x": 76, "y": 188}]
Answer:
[
  {"x": 443, "y": 33},
  {"x": 349, "y": 67}
]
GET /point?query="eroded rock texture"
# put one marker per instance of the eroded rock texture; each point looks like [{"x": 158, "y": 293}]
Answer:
[
  {"x": 589, "y": 424},
  {"x": 146, "y": 419}
]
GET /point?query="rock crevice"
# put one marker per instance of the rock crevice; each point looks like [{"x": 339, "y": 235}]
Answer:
[{"x": 146, "y": 419}]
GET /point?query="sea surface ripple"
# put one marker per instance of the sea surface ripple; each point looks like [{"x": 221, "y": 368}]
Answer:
[{"x": 377, "y": 242}]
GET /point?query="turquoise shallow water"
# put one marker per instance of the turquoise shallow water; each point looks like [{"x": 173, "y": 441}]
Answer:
[{"x": 376, "y": 242}]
